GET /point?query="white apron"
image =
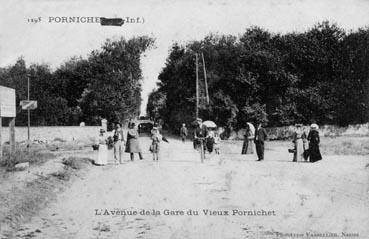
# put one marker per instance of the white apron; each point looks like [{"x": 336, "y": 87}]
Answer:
[{"x": 102, "y": 156}]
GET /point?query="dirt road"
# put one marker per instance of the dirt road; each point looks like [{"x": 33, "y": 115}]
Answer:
[{"x": 331, "y": 196}]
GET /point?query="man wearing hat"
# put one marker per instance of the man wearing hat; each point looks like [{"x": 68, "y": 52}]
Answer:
[
  {"x": 119, "y": 141},
  {"x": 260, "y": 137},
  {"x": 200, "y": 133}
]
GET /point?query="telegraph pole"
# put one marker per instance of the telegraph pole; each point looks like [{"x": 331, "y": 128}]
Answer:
[
  {"x": 29, "y": 113},
  {"x": 206, "y": 81},
  {"x": 197, "y": 87}
]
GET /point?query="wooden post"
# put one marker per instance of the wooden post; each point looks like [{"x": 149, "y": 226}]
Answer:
[
  {"x": 1, "y": 143},
  {"x": 29, "y": 116},
  {"x": 197, "y": 87},
  {"x": 206, "y": 81},
  {"x": 12, "y": 136}
]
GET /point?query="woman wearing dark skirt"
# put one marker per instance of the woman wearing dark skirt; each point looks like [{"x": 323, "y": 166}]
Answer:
[
  {"x": 314, "y": 140},
  {"x": 133, "y": 144}
]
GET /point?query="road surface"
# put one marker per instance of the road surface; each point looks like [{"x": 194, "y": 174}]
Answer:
[{"x": 285, "y": 198}]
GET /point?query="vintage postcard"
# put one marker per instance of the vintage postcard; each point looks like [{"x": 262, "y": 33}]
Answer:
[{"x": 184, "y": 119}]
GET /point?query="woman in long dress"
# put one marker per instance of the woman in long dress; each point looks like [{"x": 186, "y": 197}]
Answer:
[
  {"x": 298, "y": 141},
  {"x": 247, "y": 147},
  {"x": 102, "y": 156},
  {"x": 314, "y": 140},
  {"x": 133, "y": 144}
]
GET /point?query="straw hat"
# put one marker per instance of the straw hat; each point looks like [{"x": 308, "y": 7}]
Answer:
[{"x": 314, "y": 126}]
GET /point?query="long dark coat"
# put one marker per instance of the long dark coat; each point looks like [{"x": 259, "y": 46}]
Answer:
[
  {"x": 133, "y": 144},
  {"x": 314, "y": 140}
]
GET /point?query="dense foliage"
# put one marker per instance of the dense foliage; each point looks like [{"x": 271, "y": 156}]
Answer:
[
  {"x": 319, "y": 75},
  {"x": 105, "y": 85}
]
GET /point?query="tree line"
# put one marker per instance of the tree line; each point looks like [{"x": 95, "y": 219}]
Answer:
[
  {"x": 105, "y": 85},
  {"x": 319, "y": 75}
]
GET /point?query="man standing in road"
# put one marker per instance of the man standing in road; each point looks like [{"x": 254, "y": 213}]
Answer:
[
  {"x": 183, "y": 132},
  {"x": 260, "y": 137},
  {"x": 200, "y": 133},
  {"x": 119, "y": 140}
]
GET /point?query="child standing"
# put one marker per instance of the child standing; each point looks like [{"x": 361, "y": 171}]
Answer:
[{"x": 154, "y": 147}]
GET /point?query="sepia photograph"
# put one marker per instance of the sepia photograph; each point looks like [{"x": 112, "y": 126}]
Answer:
[{"x": 197, "y": 119}]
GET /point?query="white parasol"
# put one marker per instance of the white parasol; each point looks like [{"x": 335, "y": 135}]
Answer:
[
  {"x": 209, "y": 124},
  {"x": 252, "y": 128}
]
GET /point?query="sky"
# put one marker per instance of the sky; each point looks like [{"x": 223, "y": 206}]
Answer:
[{"x": 167, "y": 21}]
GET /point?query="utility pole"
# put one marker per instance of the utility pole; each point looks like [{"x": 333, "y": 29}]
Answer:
[
  {"x": 29, "y": 113},
  {"x": 1, "y": 143},
  {"x": 206, "y": 81},
  {"x": 197, "y": 87}
]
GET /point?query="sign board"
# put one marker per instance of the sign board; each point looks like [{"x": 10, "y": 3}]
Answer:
[
  {"x": 7, "y": 102},
  {"x": 28, "y": 104}
]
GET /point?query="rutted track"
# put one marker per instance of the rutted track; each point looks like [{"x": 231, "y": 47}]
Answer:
[{"x": 333, "y": 193}]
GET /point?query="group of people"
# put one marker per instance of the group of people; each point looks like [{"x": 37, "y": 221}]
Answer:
[
  {"x": 258, "y": 137},
  {"x": 207, "y": 139},
  {"x": 304, "y": 147},
  {"x": 126, "y": 141}
]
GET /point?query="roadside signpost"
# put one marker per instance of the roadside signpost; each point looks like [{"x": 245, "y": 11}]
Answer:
[
  {"x": 8, "y": 109},
  {"x": 28, "y": 104}
]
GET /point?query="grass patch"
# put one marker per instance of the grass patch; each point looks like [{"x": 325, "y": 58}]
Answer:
[
  {"x": 21, "y": 155},
  {"x": 66, "y": 146},
  {"x": 62, "y": 175},
  {"x": 331, "y": 145},
  {"x": 345, "y": 146},
  {"x": 77, "y": 162},
  {"x": 22, "y": 203}
]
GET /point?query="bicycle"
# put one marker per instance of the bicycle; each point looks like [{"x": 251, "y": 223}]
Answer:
[{"x": 201, "y": 140}]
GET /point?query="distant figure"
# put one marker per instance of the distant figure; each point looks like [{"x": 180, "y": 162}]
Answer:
[
  {"x": 119, "y": 141},
  {"x": 314, "y": 140},
  {"x": 155, "y": 144},
  {"x": 260, "y": 137},
  {"x": 216, "y": 143},
  {"x": 102, "y": 157},
  {"x": 82, "y": 124},
  {"x": 249, "y": 136},
  {"x": 183, "y": 132},
  {"x": 298, "y": 140},
  {"x": 133, "y": 144}
]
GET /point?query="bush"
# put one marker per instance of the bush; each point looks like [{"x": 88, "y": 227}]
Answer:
[{"x": 77, "y": 162}]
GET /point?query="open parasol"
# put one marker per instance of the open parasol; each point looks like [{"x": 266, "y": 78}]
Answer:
[
  {"x": 252, "y": 128},
  {"x": 209, "y": 124}
]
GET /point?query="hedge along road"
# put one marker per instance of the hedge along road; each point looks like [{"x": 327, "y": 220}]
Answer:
[{"x": 228, "y": 196}]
